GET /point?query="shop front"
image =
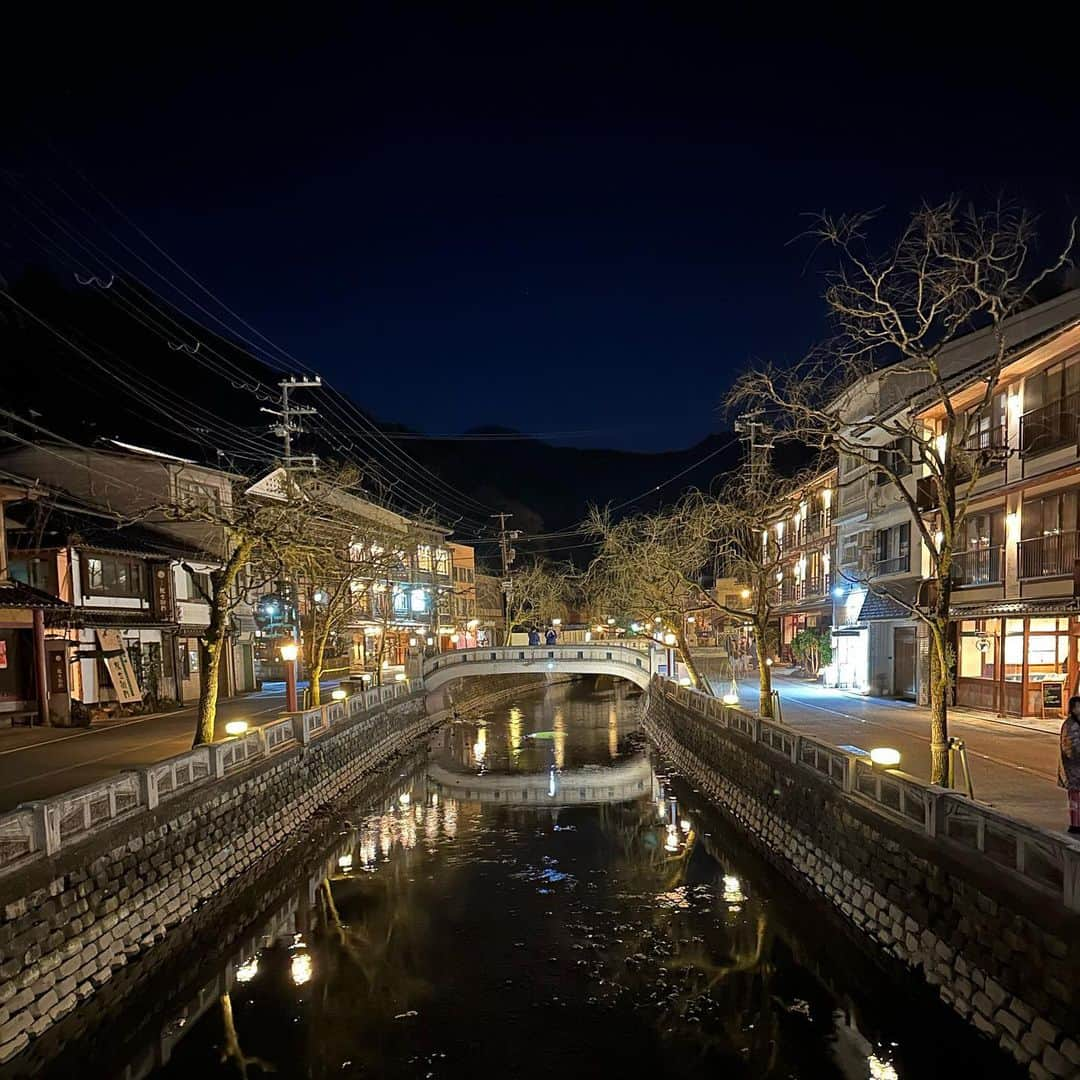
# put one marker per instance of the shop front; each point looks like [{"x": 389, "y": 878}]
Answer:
[{"x": 1018, "y": 666}]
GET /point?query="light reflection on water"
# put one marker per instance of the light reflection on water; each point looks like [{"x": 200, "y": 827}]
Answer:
[{"x": 526, "y": 906}]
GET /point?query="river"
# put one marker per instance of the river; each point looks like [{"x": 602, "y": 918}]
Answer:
[{"x": 532, "y": 896}]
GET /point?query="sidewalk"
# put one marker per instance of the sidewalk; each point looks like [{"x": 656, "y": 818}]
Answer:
[{"x": 1013, "y": 763}]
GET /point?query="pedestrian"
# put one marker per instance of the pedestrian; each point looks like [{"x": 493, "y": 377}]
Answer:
[
  {"x": 550, "y": 636},
  {"x": 1069, "y": 765},
  {"x": 534, "y": 636}
]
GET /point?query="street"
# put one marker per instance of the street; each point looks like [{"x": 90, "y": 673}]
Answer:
[
  {"x": 1013, "y": 767},
  {"x": 37, "y": 763}
]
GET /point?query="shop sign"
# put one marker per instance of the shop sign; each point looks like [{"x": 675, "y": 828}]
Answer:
[
  {"x": 163, "y": 601},
  {"x": 119, "y": 666},
  {"x": 3, "y": 655},
  {"x": 1052, "y": 696}
]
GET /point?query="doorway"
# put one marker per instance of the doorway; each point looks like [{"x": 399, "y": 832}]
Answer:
[{"x": 904, "y": 662}]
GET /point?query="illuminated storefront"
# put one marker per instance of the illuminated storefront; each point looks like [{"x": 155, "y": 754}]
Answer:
[{"x": 1004, "y": 663}]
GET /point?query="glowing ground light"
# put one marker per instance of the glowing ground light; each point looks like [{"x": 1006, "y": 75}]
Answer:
[
  {"x": 300, "y": 969},
  {"x": 236, "y": 727},
  {"x": 885, "y": 755},
  {"x": 345, "y": 863},
  {"x": 247, "y": 970},
  {"x": 404, "y": 798},
  {"x": 672, "y": 841},
  {"x": 339, "y": 695}
]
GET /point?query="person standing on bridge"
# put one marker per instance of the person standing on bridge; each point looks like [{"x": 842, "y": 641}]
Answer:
[
  {"x": 1069, "y": 765},
  {"x": 534, "y": 636},
  {"x": 550, "y": 636}
]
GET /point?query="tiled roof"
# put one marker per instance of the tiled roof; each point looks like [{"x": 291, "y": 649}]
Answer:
[
  {"x": 889, "y": 601},
  {"x": 1065, "y": 606},
  {"x": 93, "y": 617},
  {"x": 14, "y": 594},
  {"x": 61, "y": 528}
]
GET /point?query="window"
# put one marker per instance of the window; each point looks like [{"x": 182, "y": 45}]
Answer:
[
  {"x": 109, "y": 575},
  {"x": 196, "y": 585},
  {"x": 204, "y": 496},
  {"x": 989, "y": 430},
  {"x": 1052, "y": 384},
  {"x": 1049, "y": 516},
  {"x": 978, "y": 649},
  {"x": 37, "y": 572},
  {"x": 423, "y": 557},
  {"x": 893, "y": 549},
  {"x": 442, "y": 562},
  {"x": 895, "y": 457}
]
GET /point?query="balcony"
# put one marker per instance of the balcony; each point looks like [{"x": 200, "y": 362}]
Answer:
[
  {"x": 901, "y": 564},
  {"x": 979, "y": 566},
  {"x": 1053, "y": 555},
  {"x": 1051, "y": 426}
]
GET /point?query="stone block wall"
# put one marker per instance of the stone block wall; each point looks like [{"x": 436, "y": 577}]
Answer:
[
  {"x": 68, "y": 923},
  {"x": 1000, "y": 953}
]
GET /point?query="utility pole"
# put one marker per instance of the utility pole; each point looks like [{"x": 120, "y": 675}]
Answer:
[
  {"x": 288, "y": 425},
  {"x": 758, "y": 437},
  {"x": 508, "y": 555}
]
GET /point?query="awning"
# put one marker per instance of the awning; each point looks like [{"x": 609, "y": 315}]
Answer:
[
  {"x": 891, "y": 601},
  {"x": 848, "y": 631},
  {"x": 1018, "y": 608},
  {"x": 91, "y": 618}
]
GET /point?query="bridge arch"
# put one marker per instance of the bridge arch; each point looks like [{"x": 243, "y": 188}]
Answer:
[{"x": 635, "y": 663}]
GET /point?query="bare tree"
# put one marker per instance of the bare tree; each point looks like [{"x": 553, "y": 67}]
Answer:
[
  {"x": 655, "y": 565},
  {"x": 259, "y": 537},
  {"x": 539, "y": 592},
  {"x": 890, "y": 391}
]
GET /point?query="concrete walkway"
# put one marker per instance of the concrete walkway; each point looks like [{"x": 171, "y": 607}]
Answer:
[{"x": 1013, "y": 764}]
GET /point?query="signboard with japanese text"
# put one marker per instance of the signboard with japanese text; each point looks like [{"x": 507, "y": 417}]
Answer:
[
  {"x": 118, "y": 664},
  {"x": 163, "y": 593}
]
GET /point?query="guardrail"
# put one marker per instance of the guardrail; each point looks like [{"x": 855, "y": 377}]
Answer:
[
  {"x": 618, "y": 653},
  {"x": 1047, "y": 861},
  {"x": 39, "y": 829}
]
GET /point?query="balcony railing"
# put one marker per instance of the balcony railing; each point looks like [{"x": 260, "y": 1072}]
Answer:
[
  {"x": 979, "y": 566},
  {"x": 901, "y": 564},
  {"x": 1047, "y": 556},
  {"x": 1051, "y": 426}
]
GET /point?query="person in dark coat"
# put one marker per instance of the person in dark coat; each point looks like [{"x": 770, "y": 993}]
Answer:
[
  {"x": 1069, "y": 763},
  {"x": 534, "y": 636},
  {"x": 550, "y": 636}
]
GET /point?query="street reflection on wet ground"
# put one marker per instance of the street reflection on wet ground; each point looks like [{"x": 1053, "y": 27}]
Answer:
[{"x": 537, "y": 898}]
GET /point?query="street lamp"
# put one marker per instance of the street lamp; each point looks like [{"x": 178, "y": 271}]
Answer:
[{"x": 289, "y": 651}]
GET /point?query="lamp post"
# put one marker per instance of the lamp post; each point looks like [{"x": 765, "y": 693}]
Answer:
[{"x": 289, "y": 651}]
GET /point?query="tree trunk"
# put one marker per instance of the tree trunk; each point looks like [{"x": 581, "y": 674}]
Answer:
[
  {"x": 939, "y": 705},
  {"x": 316, "y": 669},
  {"x": 210, "y": 662},
  {"x": 764, "y": 674},
  {"x": 699, "y": 681}
]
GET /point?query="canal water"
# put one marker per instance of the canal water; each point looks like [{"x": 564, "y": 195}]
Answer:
[{"x": 532, "y": 896}]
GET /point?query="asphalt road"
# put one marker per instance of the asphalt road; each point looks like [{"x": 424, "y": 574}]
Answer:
[
  {"x": 1013, "y": 768},
  {"x": 36, "y": 763}
]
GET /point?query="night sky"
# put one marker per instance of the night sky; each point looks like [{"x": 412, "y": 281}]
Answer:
[{"x": 556, "y": 224}]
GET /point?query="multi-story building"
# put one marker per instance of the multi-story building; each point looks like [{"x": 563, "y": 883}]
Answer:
[
  {"x": 171, "y": 558},
  {"x": 127, "y": 630},
  {"x": 805, "y": 537},
  {"x": 463, "y": 601},
  {"x": 1014, "y": 602}
]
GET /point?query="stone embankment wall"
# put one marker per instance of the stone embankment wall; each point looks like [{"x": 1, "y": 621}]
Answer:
[
  {"x": 1000, "y": 953},
  {"x": 67, "y": 923}
]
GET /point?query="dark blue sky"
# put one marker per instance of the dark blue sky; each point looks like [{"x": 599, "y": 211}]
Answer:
[{"x": 552, "y": 224}]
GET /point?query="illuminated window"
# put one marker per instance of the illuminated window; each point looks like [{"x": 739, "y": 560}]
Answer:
[{"x": 423, "y": 557}]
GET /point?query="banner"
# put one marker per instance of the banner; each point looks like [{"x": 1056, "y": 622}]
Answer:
[{"x": 118, "y": 664}]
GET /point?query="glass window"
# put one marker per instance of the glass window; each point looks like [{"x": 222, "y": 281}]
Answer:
[
  {"x": 442, "y": 562},
  {"x": 978, "y": 650},
  {"x": 1049, "y": 516},
  {"x": 1052, "y": 383},
  {"x": 107, "y": 575},
  {"x": 423, "y": 557}
]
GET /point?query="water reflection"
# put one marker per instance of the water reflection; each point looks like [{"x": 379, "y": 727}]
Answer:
[{"x": 548, "y": 907}]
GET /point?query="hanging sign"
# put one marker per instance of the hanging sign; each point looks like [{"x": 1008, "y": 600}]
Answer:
[{"x": 118, "y": 664}]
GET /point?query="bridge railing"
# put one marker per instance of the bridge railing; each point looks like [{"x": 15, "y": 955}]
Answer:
[
  {"x": 544, "y": 657},
  {"x": 43, "y": 828},
  {"x": 1045, "y": 860}
]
